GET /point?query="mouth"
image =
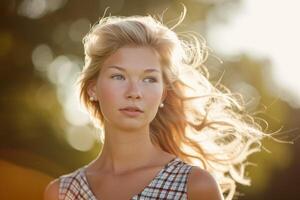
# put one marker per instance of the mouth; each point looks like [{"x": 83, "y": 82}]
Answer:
[{"x": 131, "y": 111}]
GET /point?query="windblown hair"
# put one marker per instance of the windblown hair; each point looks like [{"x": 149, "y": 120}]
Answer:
[{"x": 203, "y": 124}]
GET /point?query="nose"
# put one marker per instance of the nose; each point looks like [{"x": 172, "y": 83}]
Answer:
[{"x": 133, "y": 92}]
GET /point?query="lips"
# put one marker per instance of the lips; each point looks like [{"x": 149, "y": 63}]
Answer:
[{"x": 132, "y": 109}]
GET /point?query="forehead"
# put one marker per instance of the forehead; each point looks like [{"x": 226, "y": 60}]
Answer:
[{"x": 133, "y": 59}]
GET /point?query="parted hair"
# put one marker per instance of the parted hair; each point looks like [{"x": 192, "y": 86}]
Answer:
[{"x": 204, "y": 124}]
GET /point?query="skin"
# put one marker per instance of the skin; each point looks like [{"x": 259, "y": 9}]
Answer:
[
  {"x": 129, "y": 85},
  {"x": 132, "y": 76}
]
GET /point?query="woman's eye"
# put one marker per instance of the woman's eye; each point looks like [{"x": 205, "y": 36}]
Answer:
[
  {"x": 121, "y": 77},
  {"x": 117, "y": 77},
  {"x": 151, "y": 79}
]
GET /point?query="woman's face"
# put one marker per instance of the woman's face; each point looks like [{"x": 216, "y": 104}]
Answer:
[{"x": 131, "y": 77}]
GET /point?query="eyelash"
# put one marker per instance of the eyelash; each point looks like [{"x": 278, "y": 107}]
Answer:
[{"x": 119, "y": 75}]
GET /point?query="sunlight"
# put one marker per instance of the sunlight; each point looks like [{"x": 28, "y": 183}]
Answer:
[{"x": 264, "y": 29}]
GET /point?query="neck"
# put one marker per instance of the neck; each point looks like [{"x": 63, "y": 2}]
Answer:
[{"x": 126, "y": 150}]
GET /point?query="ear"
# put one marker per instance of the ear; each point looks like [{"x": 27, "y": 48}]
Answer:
[
  {"x": 164, "y": 94},
  {"x": 91, "y": 89}
]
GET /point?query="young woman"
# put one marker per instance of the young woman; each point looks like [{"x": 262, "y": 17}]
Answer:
[{"x": 168, "y": 132}]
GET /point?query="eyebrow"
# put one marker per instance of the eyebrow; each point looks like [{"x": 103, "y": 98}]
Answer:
[{"x": 123, "y": 69}]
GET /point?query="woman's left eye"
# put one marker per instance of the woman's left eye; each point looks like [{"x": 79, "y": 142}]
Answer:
[{"x": 151, "y": 79}]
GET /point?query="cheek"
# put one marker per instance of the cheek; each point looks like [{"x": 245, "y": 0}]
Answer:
[
  {"x": 107, "y": 93},
  {"x": 153, "y": 100},
  {"x": 153, "y": 97}
]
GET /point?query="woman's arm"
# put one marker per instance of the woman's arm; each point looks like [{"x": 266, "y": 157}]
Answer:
[
  {"x": 51, "y": 191},
  {"x": 202, "y": 185}
]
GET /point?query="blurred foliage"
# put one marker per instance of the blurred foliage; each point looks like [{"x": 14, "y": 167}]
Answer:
[{"x": 41, "y": 53}]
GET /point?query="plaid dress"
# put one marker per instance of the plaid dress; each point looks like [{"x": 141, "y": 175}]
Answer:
[{"x": 169, "y": 184}]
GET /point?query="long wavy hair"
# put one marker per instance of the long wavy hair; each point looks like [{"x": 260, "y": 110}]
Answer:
[{"x": 203, "y": 124}]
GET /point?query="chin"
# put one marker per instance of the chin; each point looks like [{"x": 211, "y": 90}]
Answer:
[{"x": 130, "y": 126}]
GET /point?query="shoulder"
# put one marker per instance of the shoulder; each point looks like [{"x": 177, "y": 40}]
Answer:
[
  {"x": 52, "y": 190},
  {"x": 202, "y": 184}
]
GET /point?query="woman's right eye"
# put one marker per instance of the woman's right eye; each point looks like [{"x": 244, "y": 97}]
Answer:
[{"x": 117, "y": 77}]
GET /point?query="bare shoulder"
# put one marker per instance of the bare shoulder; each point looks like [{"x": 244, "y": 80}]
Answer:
[
  {"x": 201, "y": 184},
  {"x": 51, "y": 191}
]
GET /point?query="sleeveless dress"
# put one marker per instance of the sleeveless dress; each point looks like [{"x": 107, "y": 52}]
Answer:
[{"x": 170, "y": 183}]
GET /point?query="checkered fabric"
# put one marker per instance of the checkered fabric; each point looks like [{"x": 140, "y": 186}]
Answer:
[{"x": 169, "y": 184}]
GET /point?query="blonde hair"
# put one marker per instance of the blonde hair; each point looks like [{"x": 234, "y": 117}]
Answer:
[{"x": 203, "y": 124}]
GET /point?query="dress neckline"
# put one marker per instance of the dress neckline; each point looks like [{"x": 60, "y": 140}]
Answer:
[{"x": 83, "y": 175}]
